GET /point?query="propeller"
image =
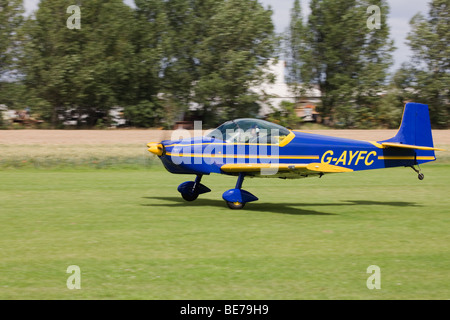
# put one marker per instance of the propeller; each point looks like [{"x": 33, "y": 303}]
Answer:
[{"x": 157, "y": 148}]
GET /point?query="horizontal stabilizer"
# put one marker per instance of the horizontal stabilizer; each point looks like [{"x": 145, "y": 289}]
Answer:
[{"x": 408, "y": 146}]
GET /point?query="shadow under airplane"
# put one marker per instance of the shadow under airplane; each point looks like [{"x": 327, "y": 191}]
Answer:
[{"x": 281, "y": 208}]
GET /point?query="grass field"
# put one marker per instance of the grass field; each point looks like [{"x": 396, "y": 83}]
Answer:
[{"x": 133, "y": 237}]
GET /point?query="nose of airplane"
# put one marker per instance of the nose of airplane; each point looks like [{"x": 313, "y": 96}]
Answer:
[{"x": 156, "y": 148}]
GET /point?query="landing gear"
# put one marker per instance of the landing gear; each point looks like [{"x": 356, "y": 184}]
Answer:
[
  {"x": 420, "y": 175},
  {"x": 190, "y": 190},
  {"x": 237, "y": 198},
  {"x": 188, "y": 196}
]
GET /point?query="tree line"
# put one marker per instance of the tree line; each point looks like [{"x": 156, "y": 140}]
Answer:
[
  {"x": 336, "y": 50},
  {"x": 158, "y": 58}
]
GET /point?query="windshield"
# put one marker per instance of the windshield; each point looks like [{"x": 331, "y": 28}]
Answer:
[{"x": 249, "y": 131}]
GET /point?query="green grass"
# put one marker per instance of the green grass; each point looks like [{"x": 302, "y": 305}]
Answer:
[{"x": 135, "y": 238}]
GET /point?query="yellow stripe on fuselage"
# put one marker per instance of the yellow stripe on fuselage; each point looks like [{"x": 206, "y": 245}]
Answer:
[
  {"x": 238, "y": 156},
  {"x": 405, "y": 158},
  {"x": 220, "y": 144}
]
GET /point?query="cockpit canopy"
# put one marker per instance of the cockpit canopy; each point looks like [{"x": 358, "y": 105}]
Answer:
[{"x": 249, "y": 131}]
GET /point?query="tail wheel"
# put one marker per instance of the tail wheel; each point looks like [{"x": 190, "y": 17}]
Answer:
[
  {"x": 420, "y": 174},
  {"x": 235, "y": 205}
]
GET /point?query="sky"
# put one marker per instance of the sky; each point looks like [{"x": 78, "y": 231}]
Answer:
[{"x": 401, "y": 12}]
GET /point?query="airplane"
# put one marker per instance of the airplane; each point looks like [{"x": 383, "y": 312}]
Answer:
[{"x": 257, "y": 148}]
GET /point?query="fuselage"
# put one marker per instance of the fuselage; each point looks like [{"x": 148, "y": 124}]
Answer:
[{"x": 207, "y": 155}]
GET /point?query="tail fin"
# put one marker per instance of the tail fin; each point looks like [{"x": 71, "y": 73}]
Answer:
[{"x": 415, "y": 128}]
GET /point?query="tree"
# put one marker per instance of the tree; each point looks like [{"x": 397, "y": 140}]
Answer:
[
  {"x": 375, "y": 59},
  {"x": 295, "y": 45},
  {"x": 232, "y": 57},
  {"x": 215, "y": 51},
  {"x": 10, "y": 19},
  {"x": 346, "y": 59},
  {"x": 427, "y": 77},
  {"x": 83, "y": 71},
  {"x": 187, "y": 26},
  {"x": 148, "y": 37},
  {"x": 154, "y": 60}
]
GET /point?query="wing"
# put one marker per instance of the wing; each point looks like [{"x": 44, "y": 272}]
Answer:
[
  {"x": 408, "y": 146},
  {"x": 282, "y": 168}
]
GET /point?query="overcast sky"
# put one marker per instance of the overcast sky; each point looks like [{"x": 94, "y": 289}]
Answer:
[{"x": 401, "y": 12}]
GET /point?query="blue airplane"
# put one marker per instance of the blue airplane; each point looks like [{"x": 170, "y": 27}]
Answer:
[{"x": 257, "y": 148}]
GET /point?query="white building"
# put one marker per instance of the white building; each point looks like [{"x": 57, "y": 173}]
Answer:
[
  {"x": 280, "y": 91},
  {"x": 277, "y": 92}
]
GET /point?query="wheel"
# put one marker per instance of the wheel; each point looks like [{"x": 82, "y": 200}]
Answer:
[
  {"x": 421, "y": 176},
  {"x": 235, "y": 205},
  {"x": 189, "y": 196}
]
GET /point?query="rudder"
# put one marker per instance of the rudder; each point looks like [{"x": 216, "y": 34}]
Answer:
[{"x": 415, "y": 128}]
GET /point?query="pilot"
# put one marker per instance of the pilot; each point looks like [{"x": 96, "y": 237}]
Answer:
[{"x": 254, "y": 133}]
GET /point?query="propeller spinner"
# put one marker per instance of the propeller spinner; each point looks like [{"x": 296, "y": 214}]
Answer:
[{"x": 156, "y": 148}]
